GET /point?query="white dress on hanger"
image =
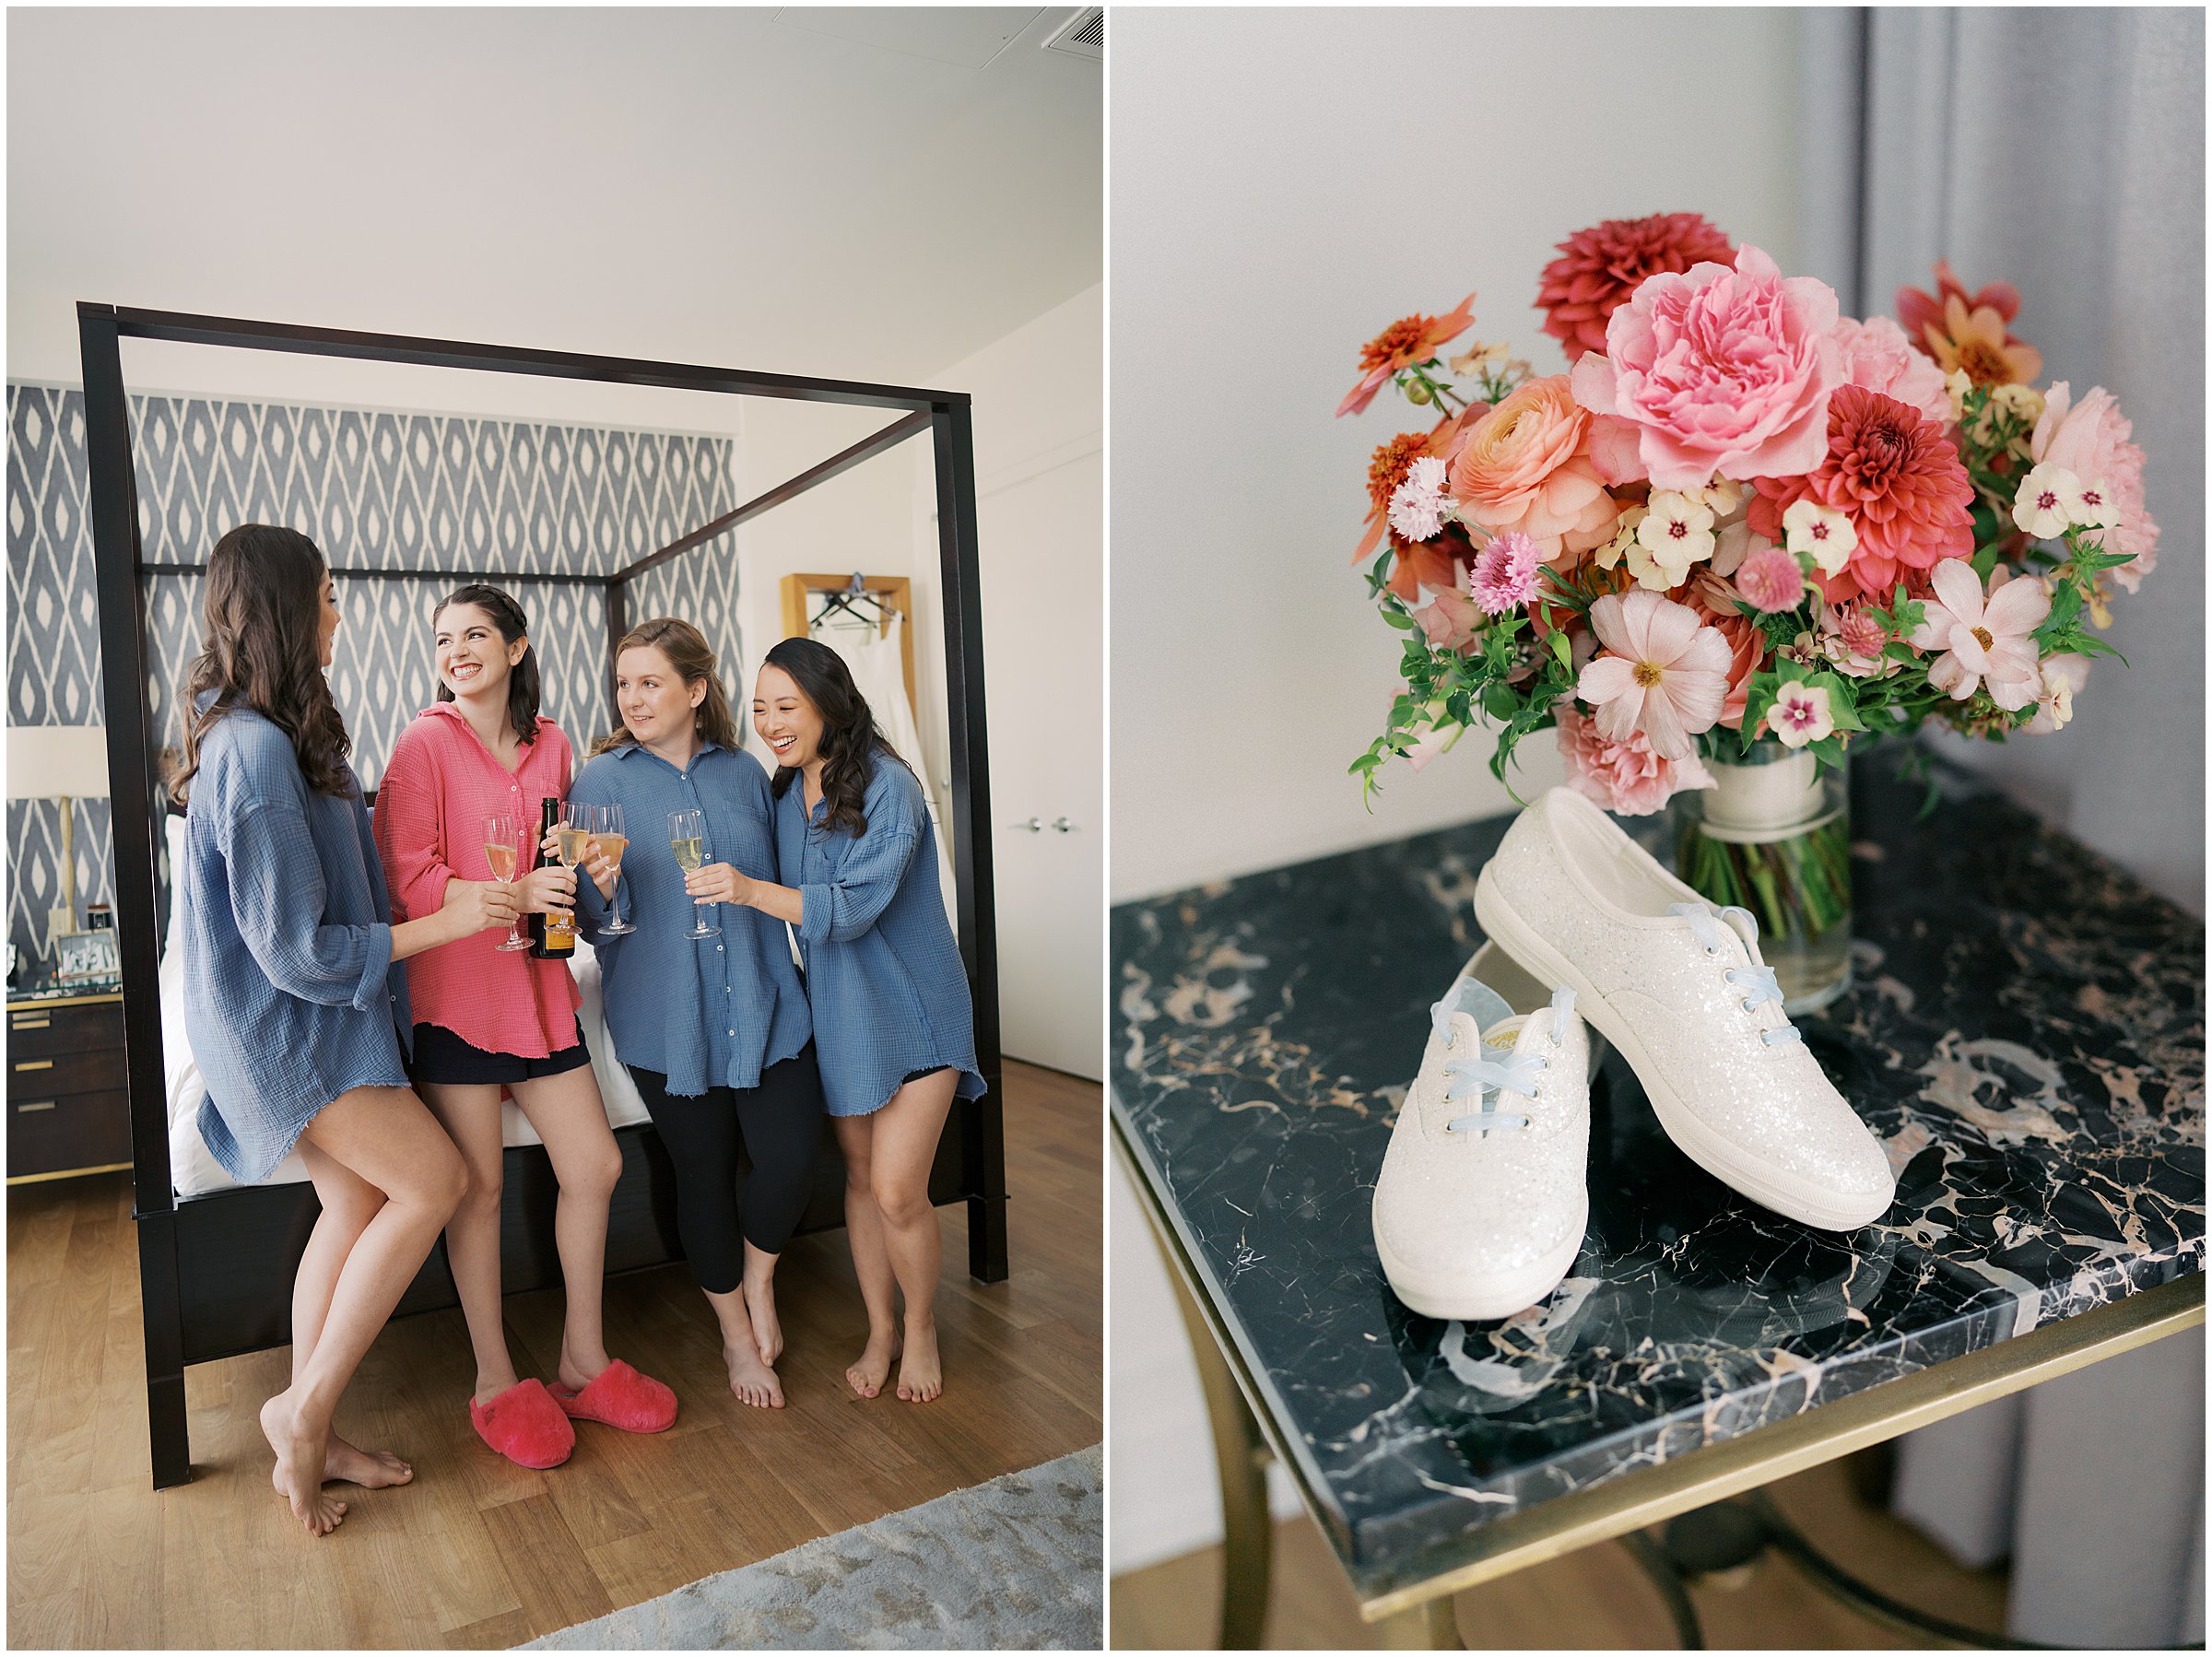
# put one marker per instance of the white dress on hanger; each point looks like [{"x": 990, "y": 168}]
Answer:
[{"x": 877, "y": 665}]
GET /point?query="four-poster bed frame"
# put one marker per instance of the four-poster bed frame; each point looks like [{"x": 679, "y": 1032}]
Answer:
[{"x": 215, "y": 1271}]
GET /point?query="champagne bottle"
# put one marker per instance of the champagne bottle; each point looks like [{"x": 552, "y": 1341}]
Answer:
[{"x": 552, "y": 937}]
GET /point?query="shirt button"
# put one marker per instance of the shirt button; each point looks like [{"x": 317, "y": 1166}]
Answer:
[
  {"x": 730, "y": 1032},
  {"x": 718, "y": 950}
]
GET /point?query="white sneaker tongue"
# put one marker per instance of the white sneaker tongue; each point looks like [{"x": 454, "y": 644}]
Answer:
[{"x": 1482, "y": 1004}]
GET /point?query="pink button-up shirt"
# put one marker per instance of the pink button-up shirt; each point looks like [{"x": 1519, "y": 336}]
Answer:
[{"x": 440, "y": 786}]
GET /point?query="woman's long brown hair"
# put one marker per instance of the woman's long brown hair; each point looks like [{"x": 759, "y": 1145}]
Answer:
[
  {"x": 690, "y": 654},
  {"x": 262, "y": 619},
  {"x": 849, "y": 734}
]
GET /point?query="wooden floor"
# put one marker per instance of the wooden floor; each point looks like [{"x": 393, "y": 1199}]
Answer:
[
  {"x": 477, "y": 1552},
  {"x": 1598, "y": 1598}
]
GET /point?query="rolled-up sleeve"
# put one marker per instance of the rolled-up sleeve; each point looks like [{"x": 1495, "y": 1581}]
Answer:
[
  {"x": 868, "y": 880},
  {"x": 409, "y": 835},
  {"x": 278, "y": 897}
]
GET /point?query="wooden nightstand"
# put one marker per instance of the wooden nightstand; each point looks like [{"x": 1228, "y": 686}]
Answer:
[{"x": 68, "y": 1105}]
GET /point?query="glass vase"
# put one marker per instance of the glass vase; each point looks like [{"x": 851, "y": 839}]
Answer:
[{"x": 1773, "y": 837}]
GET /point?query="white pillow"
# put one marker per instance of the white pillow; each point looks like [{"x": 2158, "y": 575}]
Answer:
[{"x": 173, "y": 939}]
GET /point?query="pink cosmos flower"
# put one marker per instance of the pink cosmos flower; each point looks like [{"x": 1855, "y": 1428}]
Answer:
[
  {"x": 1626, "y": 777},
  {"x": 1504, "y": 577},
  {"x": 1770, "y": 580},
  {"x": 1720, "y": 371},
  {"x": 1663, "y": 674},
  {"x": 1983, "y": 641},
  {"x": 1878, "y": 356},
  {"x": 2089, "y": 439}
]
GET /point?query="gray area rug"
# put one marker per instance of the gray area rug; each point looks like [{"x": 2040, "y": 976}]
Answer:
[{"x": 1015, "y": 1564}]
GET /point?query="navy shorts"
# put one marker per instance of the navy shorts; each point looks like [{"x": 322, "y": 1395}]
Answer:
[{"x": 442, "y": 1057}]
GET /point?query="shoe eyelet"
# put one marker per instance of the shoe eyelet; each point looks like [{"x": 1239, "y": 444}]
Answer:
[
  {"x": 1750, "y": 1006},
  {"x": 1714, "y": 951}
]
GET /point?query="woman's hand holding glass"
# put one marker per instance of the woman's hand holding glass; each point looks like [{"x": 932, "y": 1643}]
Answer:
[
  {"x": 718, "y": 883},
  {"x": 473, "y": 906}
]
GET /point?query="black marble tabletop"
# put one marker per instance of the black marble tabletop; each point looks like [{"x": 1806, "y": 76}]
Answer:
[{"x": 2025, "y": 1034}]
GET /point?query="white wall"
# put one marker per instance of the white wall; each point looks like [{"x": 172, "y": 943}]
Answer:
[
  {"x": 1286, "y": 183},
  {"x": 1038, "y": 413}
]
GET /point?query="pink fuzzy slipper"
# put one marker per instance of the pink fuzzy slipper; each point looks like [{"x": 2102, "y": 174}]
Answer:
[
  {"x": 619, "y": 1396},
  {"x": 525, "y": 1424}
]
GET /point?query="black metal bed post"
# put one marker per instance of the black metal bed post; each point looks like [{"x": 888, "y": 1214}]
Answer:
[
  {"x": 115, "y": 552},
  {"x": 982, "y": 1136}
]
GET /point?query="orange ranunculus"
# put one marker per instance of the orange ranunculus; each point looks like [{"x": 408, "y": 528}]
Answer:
[
  {"x": 1527, "y": 467},
  {"x": 1409, "y": 340}
]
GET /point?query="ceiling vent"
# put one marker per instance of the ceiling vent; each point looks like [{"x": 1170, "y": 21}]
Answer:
[{"x": 1083, "y": 35}]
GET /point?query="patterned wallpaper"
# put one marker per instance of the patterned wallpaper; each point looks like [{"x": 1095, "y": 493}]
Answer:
[{"x": 389, "y": 491}]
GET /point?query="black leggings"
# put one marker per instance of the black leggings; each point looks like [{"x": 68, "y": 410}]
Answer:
[{"x": 781, "y": 1122}]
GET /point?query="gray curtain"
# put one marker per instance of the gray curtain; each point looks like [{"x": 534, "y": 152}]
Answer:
[{"x": 2061, "y": 150}]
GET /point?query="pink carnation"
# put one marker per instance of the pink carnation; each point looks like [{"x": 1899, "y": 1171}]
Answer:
[
  {"x": 1626, "y": 777},
  {"x": 1720, "y": 371},
  {"x": 2089, "y": 439},
  {"x": 1504, "y": 577},
  {"x": 1878, "y": 356}
]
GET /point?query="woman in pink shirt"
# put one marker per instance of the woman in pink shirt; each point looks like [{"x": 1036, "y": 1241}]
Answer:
[{"x": 488, "y": 1018}]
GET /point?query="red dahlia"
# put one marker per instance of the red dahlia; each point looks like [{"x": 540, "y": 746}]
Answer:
[
  {"x": 1891, "y": 471},
  {"x": 1600, "y": 268}
]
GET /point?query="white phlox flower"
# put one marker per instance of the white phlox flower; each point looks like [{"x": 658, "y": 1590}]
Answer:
[
  {"x": 1675, "y": 532},
  {"x": 2050, "y": 499},
  {"x": 1827, "y": 536}
]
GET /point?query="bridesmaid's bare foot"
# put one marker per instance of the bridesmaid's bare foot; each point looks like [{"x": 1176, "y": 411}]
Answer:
[
  {"x": 760, "y": 1307},
  {"x": 873, "y": 1368},
  {"x": 371, "y": 1469},
  {"x": 299, "y": 1455},
  {"x": 752, "y": 1381},
  {"x": 921, "y": 1378}
]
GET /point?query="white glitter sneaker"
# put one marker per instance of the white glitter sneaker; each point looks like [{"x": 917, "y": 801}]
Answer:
[
  {"x": 1483, "y": 1197},
  {"x": 1682, "y": 990}
]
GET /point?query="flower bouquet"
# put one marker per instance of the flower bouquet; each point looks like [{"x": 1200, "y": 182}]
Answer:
[{"x": 1741, "y": 532}]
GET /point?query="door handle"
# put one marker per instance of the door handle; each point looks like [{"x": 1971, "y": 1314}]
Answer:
[
  {"x": 1034, "y": 824},
  {"x": 1062, "y": 825}
]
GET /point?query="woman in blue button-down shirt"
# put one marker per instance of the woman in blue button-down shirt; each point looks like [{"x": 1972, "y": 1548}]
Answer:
[
  {"x": 893, "y": 1022},
  {"x": 294, "y": 1002},
  {"x": 715, "y": 1031}
]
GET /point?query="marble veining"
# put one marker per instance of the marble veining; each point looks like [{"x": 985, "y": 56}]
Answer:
[{"x": 2025, "y": 1036}]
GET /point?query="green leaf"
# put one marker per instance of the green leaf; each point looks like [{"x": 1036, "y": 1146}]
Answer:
[{"x": 1398, "y": 618}]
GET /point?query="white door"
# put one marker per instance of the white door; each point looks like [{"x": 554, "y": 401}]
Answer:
[{"x": 1042, "y": 541}]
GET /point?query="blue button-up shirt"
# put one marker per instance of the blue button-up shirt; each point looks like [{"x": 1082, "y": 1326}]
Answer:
[
  {"x": 883, "y": 972},
  {"x": 291, "y": 996},
  {"x": 703, "y": 1011}
]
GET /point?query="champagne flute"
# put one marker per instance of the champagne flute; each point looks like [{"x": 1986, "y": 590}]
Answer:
[
  {"x": 687, "y": 836},
  {"x": 613, "y": 839},
  {"x": 503, "y": 845},
  {"x": 572, "y": 836}
]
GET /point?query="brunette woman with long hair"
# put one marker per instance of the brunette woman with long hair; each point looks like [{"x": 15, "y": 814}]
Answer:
[
  {"x": 295, "y": 1002},
  {"x": 489, "y": 1018},
  {"x": 894, "y": 1025},
  {"x": 715, "y": 1030}
]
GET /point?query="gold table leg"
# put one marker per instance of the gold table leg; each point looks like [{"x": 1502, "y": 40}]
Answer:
[
  {"x": 1428, "y": 1626},
  {"x": 1247, "y": 1532}
]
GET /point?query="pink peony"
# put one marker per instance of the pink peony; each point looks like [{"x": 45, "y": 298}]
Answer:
[
  {"x": 1525, "y": 466},
  {"x": 1721, "y": 370},
  {"x": 1665, "y": 673},
  {"x": 1626, "y": 777},
  {"x": 1878, "y": 356},
  {"x": 1989, "y": 640},
  {"x": 1899, "y": 480},
  {"x": 1504, "y": 577},
  {"x": 2089, "y": 439}
]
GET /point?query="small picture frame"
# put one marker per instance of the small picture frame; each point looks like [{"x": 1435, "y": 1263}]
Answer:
[{"x": 82, "y": 955}]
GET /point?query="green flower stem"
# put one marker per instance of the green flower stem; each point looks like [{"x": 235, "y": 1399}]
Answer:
[{"x": 1798, "y": 888}]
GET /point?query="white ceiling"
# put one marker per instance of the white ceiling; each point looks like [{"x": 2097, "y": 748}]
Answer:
[{"x": 870, "y": 193}]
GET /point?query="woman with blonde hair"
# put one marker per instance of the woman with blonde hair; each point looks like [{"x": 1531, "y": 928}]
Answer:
[{"x": 707, "y": 1013}]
